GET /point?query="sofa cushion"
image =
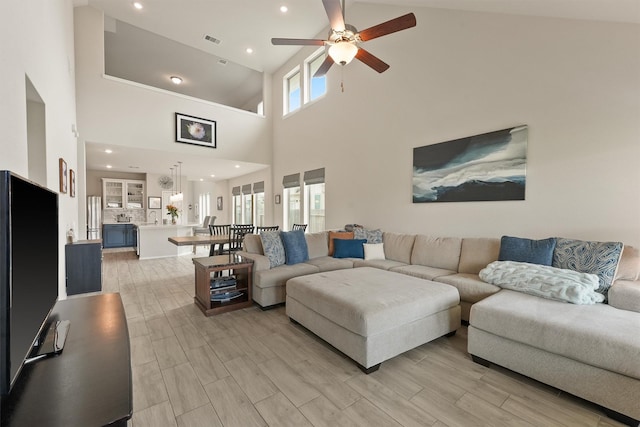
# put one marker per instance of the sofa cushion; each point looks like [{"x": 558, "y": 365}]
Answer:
[
  {"x": 328, "y": 263},
  {"x": 527, "y": 250},
  {"x": 349, "y": 248},
  {"x": 279, "y": 276},
  {"x": 295, "y": 246},
  {"x": 273, "y": 247},
  {"x": 599, "y": 258},
  {"x": 371, "y": 236},
  {"x": 472, "y": 289},
  {"x": 368, "y": 301},
  {"x": 423, "y": 271},
  {"x": 373, "y": 251},
  {"x": 625, "y": 295},
  {"x": 598, "y": 335},
  {"x": 438, "y": 252},
  {"x": 398, "y": 247},
  {"x": 382, "y": 264},
  {"x": 629, "y": 265},
  {"x": 252, "y": 244},
  {"x": 318, "y": 244},
  {"x": 477, "y": 253},
  {"x": 338, "y": 235}
]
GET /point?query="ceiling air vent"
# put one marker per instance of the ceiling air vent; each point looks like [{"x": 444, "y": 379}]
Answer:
[
  {"x": 212, "y": 39},
  {"x": 222, "y": 61}
]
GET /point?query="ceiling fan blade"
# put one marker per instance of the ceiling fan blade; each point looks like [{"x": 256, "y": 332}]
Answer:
[
  {"x": 372, "y": 61},
  {"x": 334, "y": 12},
  {"x": 279, "y": 41},
  {"x": 398, "y": 24},
  {"x": 324, "y": 67}
]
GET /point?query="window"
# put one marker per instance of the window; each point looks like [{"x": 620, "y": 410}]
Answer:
[
  {"x": 237, "y": 205},
  {"x": 292, "y": 91},
  {"x": 314, "y": 212},
  {"x": 315, "y": 86},
  {"x": 291, "y": 196},
  {"x": 258, "y": 200},
  {"x": 204, "y": 206},
  {"x": 247, "y": 204}
]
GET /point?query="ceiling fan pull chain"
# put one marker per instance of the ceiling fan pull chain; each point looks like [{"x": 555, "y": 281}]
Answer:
[{"x": 342, "y": 79}]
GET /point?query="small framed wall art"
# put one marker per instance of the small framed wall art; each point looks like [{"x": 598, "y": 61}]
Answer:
[
  {"x": 154, "y": 202},
  {"x": 277, "y": 199},
  {"x": 194, "y": 130},
  {"x": 72, "y": 183},
  {"x": 63, "y": 175},
  {"x": 219, "y": 203}
]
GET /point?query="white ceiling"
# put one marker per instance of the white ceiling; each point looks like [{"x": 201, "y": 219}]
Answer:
[{"x": 242, "y": 24}]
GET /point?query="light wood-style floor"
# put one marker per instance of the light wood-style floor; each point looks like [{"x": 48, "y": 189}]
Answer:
[{"x": 255, "y": 368}]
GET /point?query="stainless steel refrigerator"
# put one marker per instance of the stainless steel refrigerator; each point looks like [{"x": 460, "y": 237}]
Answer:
[{"x": 94, "y": 217}]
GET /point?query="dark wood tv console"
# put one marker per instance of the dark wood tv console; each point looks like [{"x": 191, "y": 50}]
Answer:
[{"x": 89, "y": 383}]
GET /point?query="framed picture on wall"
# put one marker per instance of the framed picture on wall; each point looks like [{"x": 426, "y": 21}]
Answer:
[
  {"x": 155, "y": 202},
  {"x": 72, "y": 183},
  {"x": 219, "y": 203},
  {"x": 194, "y": 130},
  {"x": 63, "y": 175}
]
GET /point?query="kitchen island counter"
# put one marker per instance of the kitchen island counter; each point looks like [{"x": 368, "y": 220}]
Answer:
[{"x": 153, "y": 240}]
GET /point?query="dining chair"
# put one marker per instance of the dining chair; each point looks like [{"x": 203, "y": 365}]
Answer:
[
  {"x": 236, "y": 236},
  {"x": 267, "y": 228},
  {"x": 302, "y": 227},
  {"x": 218, "y": 230}
]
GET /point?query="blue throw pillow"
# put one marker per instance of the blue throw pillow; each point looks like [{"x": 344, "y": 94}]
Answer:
[
  {"x": 295, "y": 246},
  {"x": 348, "y": 248},
  {"x": 527, "y": 250}
]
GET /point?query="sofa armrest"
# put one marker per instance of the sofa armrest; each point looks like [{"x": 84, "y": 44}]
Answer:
[
  {"x": 625, "y": 295},
  {"x": 260, "y": 262}
]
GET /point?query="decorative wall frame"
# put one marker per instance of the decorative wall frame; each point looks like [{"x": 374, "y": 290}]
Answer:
[
  {"x": 72, "y": 183},
  {"x": 154, "y": 202},
  {"x": 194, "y": 130},
  {"x": 63, "y": 175},
  {"x": 219, "y": 203},
  {"x": 486, "y": 167}
]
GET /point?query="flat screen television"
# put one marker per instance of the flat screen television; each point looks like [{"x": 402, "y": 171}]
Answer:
[{"x": 28, "y": 271}]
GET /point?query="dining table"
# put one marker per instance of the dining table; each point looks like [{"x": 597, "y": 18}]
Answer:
[{"x": 200, "y": 239}]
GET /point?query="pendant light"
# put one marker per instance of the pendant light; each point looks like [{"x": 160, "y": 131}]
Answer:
[{"x": 178, "y": 197}]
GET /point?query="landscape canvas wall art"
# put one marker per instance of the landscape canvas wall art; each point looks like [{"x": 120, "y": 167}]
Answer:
[{"x": 487, "y": 167}]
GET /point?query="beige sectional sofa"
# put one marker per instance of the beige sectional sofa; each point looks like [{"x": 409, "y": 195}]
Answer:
[{"x": 592, "y": 351}]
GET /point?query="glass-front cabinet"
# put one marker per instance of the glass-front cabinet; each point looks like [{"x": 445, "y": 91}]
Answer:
[{"x": 122, "y": 193}]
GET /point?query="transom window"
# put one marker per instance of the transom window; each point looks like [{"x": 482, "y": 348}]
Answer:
[{"x": 293, "y": 93}]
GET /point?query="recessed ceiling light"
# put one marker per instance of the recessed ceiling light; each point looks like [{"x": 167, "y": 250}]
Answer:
[
  {"x": 201, "y": 179},
  {"x": 108, "y": 151},
  {"x": 249, "y": 50},
  {"x": 237, "y": 166},
  {"x": 109, "y": 166},
  {"x": 284, "y": 9},
  {"x": 213, "y": 176},
  {"x": 137, "y": 5},
  {"x": 175, "y": 80}
]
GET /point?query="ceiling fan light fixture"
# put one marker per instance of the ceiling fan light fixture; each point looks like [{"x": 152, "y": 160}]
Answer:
[{"x": 343, "y": 52}]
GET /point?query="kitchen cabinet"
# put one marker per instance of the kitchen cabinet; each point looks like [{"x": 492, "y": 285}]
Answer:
[
  {"x": 119, "y": 235},
  {"x": 123, "y": 193},
  {"x": 83, "y": 265}
]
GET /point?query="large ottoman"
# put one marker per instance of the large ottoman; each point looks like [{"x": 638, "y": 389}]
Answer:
[{"x": 370, "y": 314}]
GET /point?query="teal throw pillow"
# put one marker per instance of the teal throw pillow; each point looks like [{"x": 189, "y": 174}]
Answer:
[
  {"x": 273, "y": 247},
  {"x": 295, "y": 246},
  {"x": 527, "y": 250},
  {"x": 348, "y": 248}
]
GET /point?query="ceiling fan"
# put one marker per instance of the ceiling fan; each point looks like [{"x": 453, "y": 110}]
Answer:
[{"x": 343, "y": 39}]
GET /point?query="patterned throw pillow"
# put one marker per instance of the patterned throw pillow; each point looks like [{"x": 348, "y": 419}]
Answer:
[
  {"x": 273, "y": 247},
  {"x": 371, "y": 236},
  {"x": 599, "y": 258}
]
